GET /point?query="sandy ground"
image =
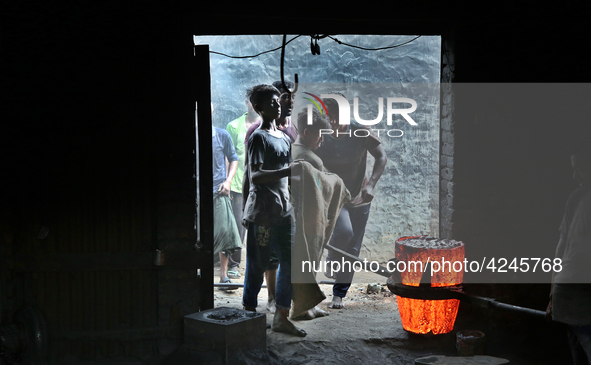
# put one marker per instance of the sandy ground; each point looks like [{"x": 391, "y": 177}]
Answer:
[
  {"x": 343, "y": 336},
  {"x": 368, "y": 331}
]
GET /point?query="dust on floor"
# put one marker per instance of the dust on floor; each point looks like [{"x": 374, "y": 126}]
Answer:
[{"x": 368, "y": 331}]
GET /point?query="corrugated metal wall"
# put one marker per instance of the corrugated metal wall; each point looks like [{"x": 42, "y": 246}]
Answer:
[
  {"x": 82, "y": 275},
  {"x": 98, "y": 145}
]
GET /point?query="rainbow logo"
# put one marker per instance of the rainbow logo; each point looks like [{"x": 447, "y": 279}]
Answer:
[{"x": 315, "y": 103}]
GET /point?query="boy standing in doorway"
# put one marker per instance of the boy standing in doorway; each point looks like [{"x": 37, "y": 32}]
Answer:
[{"x": 268, "y": 210}]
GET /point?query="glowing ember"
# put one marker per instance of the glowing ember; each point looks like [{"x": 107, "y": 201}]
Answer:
[{"x": 424, "y": 316}]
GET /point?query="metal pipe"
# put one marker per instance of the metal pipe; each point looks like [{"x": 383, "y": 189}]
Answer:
[
  {"x": 233, "y": 285},
  {"x": 282, "y": 73},
  {"x": 240, "y": 285},
  {"x": 490, "y": 303}
]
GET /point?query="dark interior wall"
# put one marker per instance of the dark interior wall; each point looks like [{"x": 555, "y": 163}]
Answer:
[
  {"x": 98, "y": 99},
  {"x": 512, "y": 173},
  {"x": 98, "y": 146}
]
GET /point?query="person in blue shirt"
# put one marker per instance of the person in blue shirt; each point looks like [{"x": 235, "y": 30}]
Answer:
[{"x": 225, "y": 233}]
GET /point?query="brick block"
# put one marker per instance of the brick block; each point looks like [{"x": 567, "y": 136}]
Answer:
[
  {"x": 443, "y": 186},
  {"x": 447, "y": 173},
  {"x": 446, "y": 200},
  {"x": 447, "y": 110},
  {"x": 446, "y": 161},
  {"x": 447, "y": 123},
  {"x": 447, "y": 149},
  {"x": 446, "y": 88},
  {"x": 449, "y": 161},
  {"x": 446, "y": 98},
  {"x": 447, "y": 137},
  {"x": 446, "y": 214},
  {"x": 447, "y": 187}
]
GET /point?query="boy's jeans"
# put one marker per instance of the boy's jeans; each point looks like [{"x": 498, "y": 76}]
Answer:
[{"x": 260, "y": 241}]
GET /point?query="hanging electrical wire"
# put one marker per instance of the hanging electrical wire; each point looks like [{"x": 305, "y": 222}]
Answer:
[
  {"x": 372, "y": 49},
  {"x": 256, "y": 55},
  {"x": 315, "y": 48}
]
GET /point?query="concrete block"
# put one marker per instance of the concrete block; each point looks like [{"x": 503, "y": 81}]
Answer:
[{"x": 227, "y": 331}]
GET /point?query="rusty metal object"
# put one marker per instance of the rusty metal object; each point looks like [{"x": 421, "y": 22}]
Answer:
[{"x": 470, "y": 342}]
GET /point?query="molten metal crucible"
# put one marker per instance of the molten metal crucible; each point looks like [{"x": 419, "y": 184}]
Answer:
[{"x": 439, "y": 256}]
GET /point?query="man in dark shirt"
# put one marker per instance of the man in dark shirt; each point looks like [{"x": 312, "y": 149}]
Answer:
[{"x": 345, "y": 154}]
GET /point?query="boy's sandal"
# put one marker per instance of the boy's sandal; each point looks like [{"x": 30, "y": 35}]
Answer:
[
  {"x": 226, "y": 280},
  {"x": 234, "y": 274}
]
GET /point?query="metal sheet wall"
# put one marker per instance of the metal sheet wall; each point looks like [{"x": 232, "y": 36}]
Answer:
[{"x": 99, "y": 204}]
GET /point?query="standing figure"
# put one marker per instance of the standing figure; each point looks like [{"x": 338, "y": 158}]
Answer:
[
  {"x": 268, "y": 210},
  {"x": 225, "y": 232},
  {"x": 317, "y": 197},
  {"x": 570, "y": 296},
  {"x": 237, "y": 130},
  {"x": 345, "y": 154},
  {"x": 284, "y": 124}
]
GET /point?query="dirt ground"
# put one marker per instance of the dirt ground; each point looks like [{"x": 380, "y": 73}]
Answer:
[
  {"x": 368, "y": 331},
  {"x": 345, "y": 336}
]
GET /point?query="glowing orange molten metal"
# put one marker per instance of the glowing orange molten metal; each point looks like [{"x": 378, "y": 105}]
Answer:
[{"x": 424, "y": 316}]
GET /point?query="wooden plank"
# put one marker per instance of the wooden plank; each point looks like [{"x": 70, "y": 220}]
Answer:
[{"x": 175, "y": 260}]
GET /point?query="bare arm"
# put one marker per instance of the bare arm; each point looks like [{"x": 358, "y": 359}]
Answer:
[
  {"x": 245, "y": 183},
  {"x": 379, "y": 154},
  {"x": 260, "y": 176},
  {"x": 225, "y": 186},
  {"x": 558, "y": 254}
]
